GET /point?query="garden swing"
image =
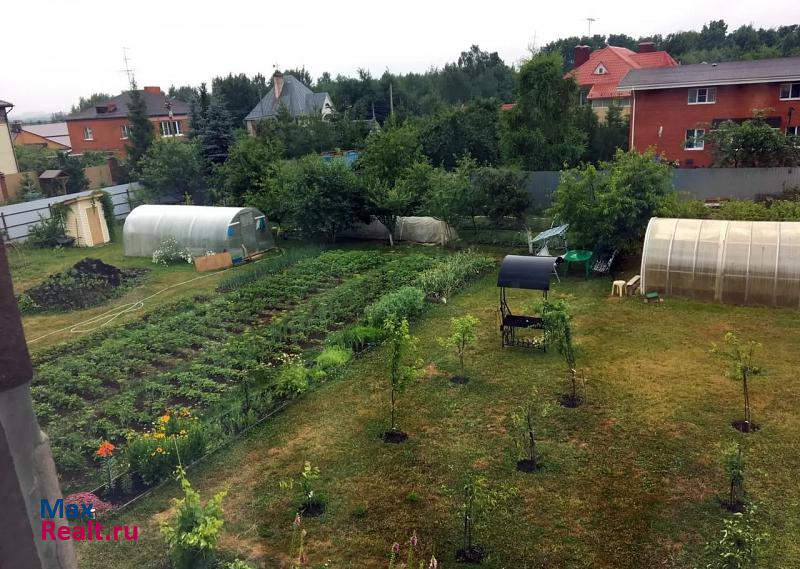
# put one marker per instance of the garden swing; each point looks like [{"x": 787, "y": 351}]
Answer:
[{"x": 523, "y": 272}]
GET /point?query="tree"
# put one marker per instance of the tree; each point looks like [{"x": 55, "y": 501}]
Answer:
[
  {"x": 610, "y": 209},
  {"x": 215, "y": 134},
  {"x": 400, "y": 343},
  {"x": 241, "y": 93},
  {"x": 324, "y": 197},
  {"x": 141, "y": 134},
  {"x": 540, "y": 132},
  {"x": 198, "y": 109},
  {"x": 193, "y": 535},
  {"x": 455, "y": 132},
  {"x": 73, "y": 167},
  {"x": 251, "y": 160},
  {"x": 477, "y": 502},
  {"x": 387, "y": 203},
  {"x": 89, "y": 102},
  {"x": 558, "y": 333},
  {"x": 389, "y": 153},
  {"x": 740, "y": 355},
  {"x": 35, "y": 158},
  {"x": 523, "y": 431},
  {"x": 734, "y": 467},
  {"x": 462, "y": 336},
  {"x": 448, "y": 196},
  {"x": 503, "y": 193},
  {"x": 173, "y": 168},
  {"x": 752, "y": 144}
]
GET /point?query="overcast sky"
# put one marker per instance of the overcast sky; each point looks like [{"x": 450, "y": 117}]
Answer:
[{"x": 57, "y": 50}]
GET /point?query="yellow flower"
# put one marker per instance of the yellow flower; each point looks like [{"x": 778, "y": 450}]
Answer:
[
  {"x": 159, "y": 449},
  {"x": 164, "y": 418}
]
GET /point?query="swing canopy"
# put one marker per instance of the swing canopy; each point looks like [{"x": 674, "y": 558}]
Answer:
[{"x": 526, "y": 272}]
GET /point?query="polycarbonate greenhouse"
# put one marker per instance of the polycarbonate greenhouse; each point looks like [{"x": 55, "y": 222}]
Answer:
[
  {"x": 241, "y": 231},
  {"x": 735, "y": 262}
]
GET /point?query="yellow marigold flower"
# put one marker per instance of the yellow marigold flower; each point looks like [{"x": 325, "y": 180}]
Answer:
[{"x": 164, "y": 418}]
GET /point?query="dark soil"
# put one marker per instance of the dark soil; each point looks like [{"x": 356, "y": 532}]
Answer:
[
  {"x": 736, "y": 508},
  {"x": 459, "y": 379},
  {"x": 394, "y": 437},
  {"x": 527, "y": 465},
  {"x": 312, "y": 509},
  {"x": 87, "y": 283},
  {"x": 471, "y": 556},
  {"x": 744, "y": 427},
  {"x": 118, "y": 495},
  {"x": 567, "y": 400}
]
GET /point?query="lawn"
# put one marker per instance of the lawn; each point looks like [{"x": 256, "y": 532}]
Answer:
[{"x": 631, "y": 479}]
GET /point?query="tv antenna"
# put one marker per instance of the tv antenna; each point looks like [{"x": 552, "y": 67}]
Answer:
[
  {"x": 590, "y": 20},
  {"x": 128, "y": 71}
]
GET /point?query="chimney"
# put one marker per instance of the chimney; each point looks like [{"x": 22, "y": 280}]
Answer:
[
  {"x": 647, "y": 47},
  {"x": 154, "y": 90},
  {"x": 277, "y": 82},
  {"x": 580, "y": 55}
]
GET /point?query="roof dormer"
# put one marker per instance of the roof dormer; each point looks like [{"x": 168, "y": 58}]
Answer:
[{"x": 600, "y": 69}]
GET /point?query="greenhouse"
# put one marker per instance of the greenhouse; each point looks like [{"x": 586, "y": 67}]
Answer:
[
  {"x": 734, "y": 262},
  {"x": 241, "y": 231}
]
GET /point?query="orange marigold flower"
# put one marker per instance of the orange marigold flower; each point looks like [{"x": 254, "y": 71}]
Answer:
[
  {"x": 164, "y": 418},
  {"x": 105, "y": 449}
]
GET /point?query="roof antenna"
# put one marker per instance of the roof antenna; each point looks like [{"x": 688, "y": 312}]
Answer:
[
  {"x": 590, "y": 20},
  {"x": 128, "y": 71}
]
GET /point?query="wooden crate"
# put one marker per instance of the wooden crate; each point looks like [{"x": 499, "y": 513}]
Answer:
[{"x": 213, "y": 262}]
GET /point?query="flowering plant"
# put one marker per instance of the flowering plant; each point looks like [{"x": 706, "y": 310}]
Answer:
[
  {"x": 106, "y": 452},
  {"x": 170, "y": 251}
]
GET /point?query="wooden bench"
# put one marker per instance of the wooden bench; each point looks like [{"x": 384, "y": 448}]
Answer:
[{"x": 632, "y": 285}]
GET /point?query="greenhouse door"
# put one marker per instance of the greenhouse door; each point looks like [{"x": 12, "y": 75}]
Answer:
[{"x": 248, "y": 226}]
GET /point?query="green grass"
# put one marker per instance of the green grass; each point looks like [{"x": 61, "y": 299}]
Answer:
[{"x": 631, "y": 479}]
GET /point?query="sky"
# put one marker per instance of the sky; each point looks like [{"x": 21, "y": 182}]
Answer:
[{"x": 56, "y": 51}]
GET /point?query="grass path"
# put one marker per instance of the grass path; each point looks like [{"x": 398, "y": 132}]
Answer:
[{"x": 631, "y": 478}]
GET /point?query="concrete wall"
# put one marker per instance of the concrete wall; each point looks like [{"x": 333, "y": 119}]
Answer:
[{"x": 697, "y": 183}]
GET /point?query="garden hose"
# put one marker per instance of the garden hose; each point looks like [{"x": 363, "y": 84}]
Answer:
[{"x": 97, "y": 322}]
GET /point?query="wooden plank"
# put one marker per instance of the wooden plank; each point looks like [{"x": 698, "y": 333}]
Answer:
[{"x": 213, "y": 262}]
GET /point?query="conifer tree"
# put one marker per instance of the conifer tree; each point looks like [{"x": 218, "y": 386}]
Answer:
[{"x": 141, "y": 132}]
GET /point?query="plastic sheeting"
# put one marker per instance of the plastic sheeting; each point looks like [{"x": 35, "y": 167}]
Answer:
[
  {"x": 734, "y": 262},
  {"x": 238, "y": 230},
  {"x": 414, "y": 229}
]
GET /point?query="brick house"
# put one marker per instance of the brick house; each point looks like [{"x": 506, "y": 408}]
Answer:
[
  {"x": 599, "y": 72},
  {"x": 105, "y": 125},
  {"x": 673, "y": 109}
]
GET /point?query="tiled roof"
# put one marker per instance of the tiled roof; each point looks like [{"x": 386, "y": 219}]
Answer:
[
  {"x": 48, "y": 130},
  {"x": 155, "y": 103},
  {"x": 725, "y": 73},
  {"x": 298, "y": 99},
  {"x": 617, "y": 61}
]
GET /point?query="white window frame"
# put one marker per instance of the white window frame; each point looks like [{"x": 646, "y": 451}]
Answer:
[
  {"x": 171, "y": 128},
  {"x": 794, "y": 132},
  {"x": 696, "y": 144},
  {"x": 709, "y": 94},
  {"x": 125, "y": 132},
  {"x": 600, "y": 70},
  {"x": 88, "y": 134},
  {"x": 583, "y": 98},
  {"x": 787, "y": 88}
]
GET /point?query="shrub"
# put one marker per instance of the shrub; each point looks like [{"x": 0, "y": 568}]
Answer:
[
  {"x": 442, "y": 280},
  {"x": 49, "y": 229},
  {"x": 26, "y": 304},
  {"x": 406, "y": 302},
  {"x": 292, "y": 380},
  {"x": 333, "y": 357},
  {"x": 194, "y": 532},
  {"x": 462, "y": 336},
  {"x": 356, "y": 338},
  {"x": 171, "y": 251}
]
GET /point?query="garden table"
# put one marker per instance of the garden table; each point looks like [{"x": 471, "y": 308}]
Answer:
[{"x": 578, "y": 256}]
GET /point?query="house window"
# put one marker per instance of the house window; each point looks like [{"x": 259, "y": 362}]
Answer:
[
  {"x": 790, "y": 91},
  {"x": 87, "y": 133},
  {"x": 171, "y": 128},
  {"x": 695, "y": 139},
  {"x": 703, "y": 96},
  {"x": 624, "y": 101},
  {"x": 125, "y": 131},
  {"x": 794, "y": 131},
  {"x": 583, "y": 101},
  {"x": 600, "y": 70}
]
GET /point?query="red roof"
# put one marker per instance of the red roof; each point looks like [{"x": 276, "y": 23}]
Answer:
[{"x": 616, "y": 61}]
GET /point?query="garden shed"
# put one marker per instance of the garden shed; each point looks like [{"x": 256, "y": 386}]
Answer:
[
  {"x": 85, "y": 220},
  {"x": 241, "y": 231},
  {"x": 734, "y": 262}
]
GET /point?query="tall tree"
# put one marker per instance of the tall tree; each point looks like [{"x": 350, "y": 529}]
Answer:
[
  {"x": 241, "y": 92},
  {"x": 752, "y": 144},
  {"x": 142, "y": 132},
  {"x": 216, "y": 134},
  {"x": 173, "y": 168},
  {"x": 540, "y": 133}
]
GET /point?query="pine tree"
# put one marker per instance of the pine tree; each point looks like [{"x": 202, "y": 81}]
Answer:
[
  {"x": 216, "y": 132},
  {"x": 198, "y": 110},
  {"x": 141, "y": 133}
]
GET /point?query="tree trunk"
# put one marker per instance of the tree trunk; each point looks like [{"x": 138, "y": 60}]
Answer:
[
  {"x": 391, "y": 239},
  {"x": 393, "y": 406},
  {"x": 746, "y": 401},
  {"x": 529, "y": 236}
]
